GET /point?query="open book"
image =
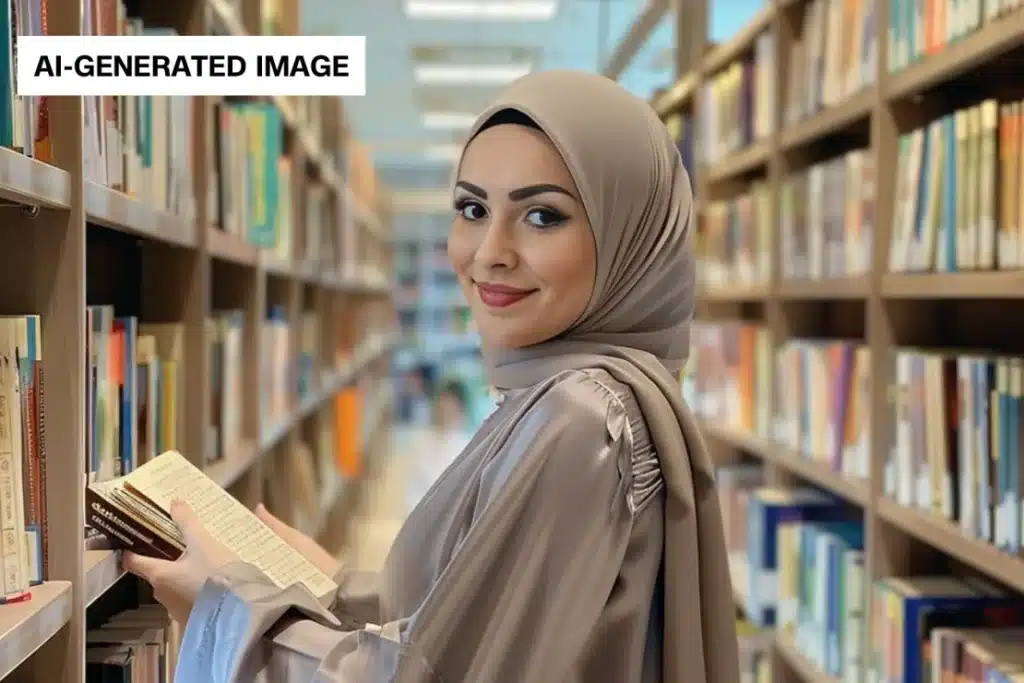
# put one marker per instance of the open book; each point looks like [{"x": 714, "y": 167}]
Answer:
[{"x": 133, "y": 512}]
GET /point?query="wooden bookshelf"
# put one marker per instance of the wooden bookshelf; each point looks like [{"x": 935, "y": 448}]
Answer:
[
  {"x": 969, "y": 311},
  {"x": 60, "y": 228}
]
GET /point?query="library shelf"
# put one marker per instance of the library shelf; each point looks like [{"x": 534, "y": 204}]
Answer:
[
  {"x": 995, "y": 284},
  {"x": 102, "y": 571},
  {"x": 228, "y": 470},
  {"x": 752, "y": 292},
  {"x": 332, "y": 493},
  {"x": 803, "y": 667},
  {"x": 895, "y": 116},
  {"x": 677, "y": 95},
  {"x": 27, "y": 626},
  {"x": 365, "y": 215},
  {"x": 750, "y": 158},
  {"x": 984, "y": 45},
  {"x": 828, "y": 121},
  {"x": 721, "y": 55},
  {"x": 851, "y": 489},
  {"x": 273, "y": 265},
  {"x": 941, "y": 533},
  {"x": 324, "y": 295},
  {"x": 31, "y": 182},
  {"x": 230, "y": 248},
  {"x": 855, "y": 287},
  {"x": 119, "y": 211}
]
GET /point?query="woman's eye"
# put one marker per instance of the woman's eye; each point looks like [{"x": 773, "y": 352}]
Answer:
[
  {"x": 470, "y": 210},
  {"x": 544, "y": 218}
]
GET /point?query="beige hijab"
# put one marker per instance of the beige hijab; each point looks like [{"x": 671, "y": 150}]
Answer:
[{"x": 637, "y": 327}]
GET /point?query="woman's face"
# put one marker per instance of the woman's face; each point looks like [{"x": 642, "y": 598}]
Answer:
[{"x": 521, "y": 242}]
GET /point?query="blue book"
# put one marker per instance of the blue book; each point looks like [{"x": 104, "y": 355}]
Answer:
[{"x": 769, "y": 509}]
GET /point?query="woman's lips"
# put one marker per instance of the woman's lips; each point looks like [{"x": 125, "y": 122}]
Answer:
[{"x": 500, "y": 296}]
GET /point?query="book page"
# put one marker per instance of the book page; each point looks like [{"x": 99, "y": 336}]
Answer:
[{"x": 170, "y": 476}]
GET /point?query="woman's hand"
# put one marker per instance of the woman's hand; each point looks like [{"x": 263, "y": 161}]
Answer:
[
  {"x": 307, "y": 547},
  {"x": 176, "y": 585}
]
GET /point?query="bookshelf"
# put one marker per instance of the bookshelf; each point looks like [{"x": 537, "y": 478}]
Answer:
[
  {"x": 277, "y": 325},
  {"x": 822, "y": 235}
]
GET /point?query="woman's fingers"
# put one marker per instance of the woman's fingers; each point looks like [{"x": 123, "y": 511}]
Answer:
[
  {"x": 147, "y": 568},
  {"x": 279, "y": 527},
  {"x": 186, "y": 519}
]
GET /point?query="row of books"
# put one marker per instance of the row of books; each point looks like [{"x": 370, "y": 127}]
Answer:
[
  {"x": 956, "y": 436},
  {"x": 24, "y": 121},
  {"x": 735, "y": 107},
  {"x": 252, "y": 193},
  {"x": 277, "y": 396},
  {"x": 958, "y": 192},
  {"x": 957, "y": 205},
  {"x": 957, "y": 440},
  {"x": 810, "y": 397},
  {"x": 134, "y": 384},
  {"x": 313, "y": 472},
  {"x": 141, "y": 146},
  {"x": 728, "y": 375},
  {"x": 803, "y": 574},
  {"x": 822, "y": 403},
  {"x": 827, "y": 216},
  {"x": 734, "y": 239},
  {"x": 918, "y": 29},
  {"x": 829, "y": 62},
  {"x": 135, "y": 645},
  {"x": 225, "y": 339},
  {"x": 797, "y": 560}
]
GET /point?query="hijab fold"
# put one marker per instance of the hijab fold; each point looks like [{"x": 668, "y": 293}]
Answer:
[{"x": 637, "y": 327}]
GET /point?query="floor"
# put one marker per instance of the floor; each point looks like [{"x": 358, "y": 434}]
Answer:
[{"x": 410, "y": 469}]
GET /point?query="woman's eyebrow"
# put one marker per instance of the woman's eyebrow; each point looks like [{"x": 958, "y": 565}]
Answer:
[
  {"x": 518, "y": 194},
  {"x": 470, "y": 187},
  {"x": 534, "y": 190}
]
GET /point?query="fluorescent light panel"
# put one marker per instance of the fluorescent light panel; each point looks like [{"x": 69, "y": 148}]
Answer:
[
  {"x": 470, "y": 74},
  {"x": 466, "y": 10},
  {"x": 443, "y": 120}
]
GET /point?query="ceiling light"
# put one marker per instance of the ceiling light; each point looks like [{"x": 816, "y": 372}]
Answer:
[
  {"x": 442, "y": 120},
  {"x": 467, "y": 10},
  {"x": 469, "y": 74},
  {"x": 443, "y": 152}
]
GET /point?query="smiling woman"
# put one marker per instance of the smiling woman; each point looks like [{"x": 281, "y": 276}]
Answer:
[
  {"x": 521, "y": 243},
  {"x": 578, "y": 536}
]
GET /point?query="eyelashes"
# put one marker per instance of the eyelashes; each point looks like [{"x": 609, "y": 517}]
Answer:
[
  {"x": 545, "y": 218},
  {"x": 539, "y": 217},
  {"x": 469, "y": 209}
]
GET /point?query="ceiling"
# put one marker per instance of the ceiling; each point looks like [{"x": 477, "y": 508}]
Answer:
[{"x": 391, "y": 120}]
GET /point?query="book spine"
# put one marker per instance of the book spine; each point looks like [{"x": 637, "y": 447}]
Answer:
[{"x": 123, "y": 531}]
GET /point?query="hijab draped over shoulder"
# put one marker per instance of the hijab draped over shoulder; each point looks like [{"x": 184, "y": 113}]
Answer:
[{"x": 636, "y": 326}]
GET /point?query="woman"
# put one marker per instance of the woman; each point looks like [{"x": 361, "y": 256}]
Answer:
[{"x": 578, "y": 536}]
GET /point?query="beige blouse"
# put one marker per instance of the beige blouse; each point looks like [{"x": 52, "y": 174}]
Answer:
[{"x": 538, "y": 559}]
